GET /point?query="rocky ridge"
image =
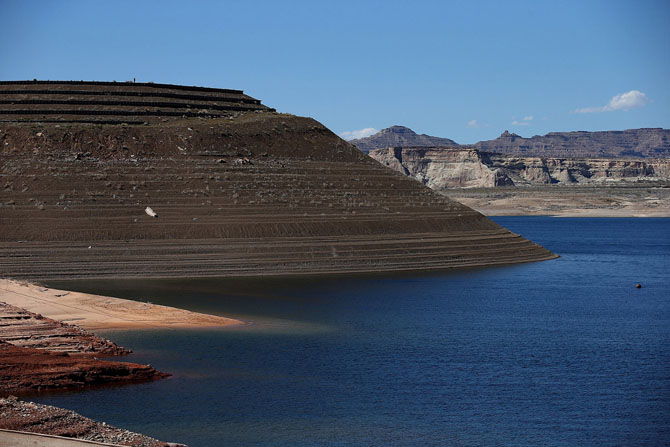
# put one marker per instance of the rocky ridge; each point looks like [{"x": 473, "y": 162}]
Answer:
[
  {"x": 631, "y": 143},
  {"x": 41, "y": 354},
  {"x": 399, "y": 136},
  {"x": 639, "y": 143}
]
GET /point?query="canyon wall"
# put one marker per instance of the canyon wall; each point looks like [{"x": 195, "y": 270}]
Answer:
[{"x": 464, "y": 167}]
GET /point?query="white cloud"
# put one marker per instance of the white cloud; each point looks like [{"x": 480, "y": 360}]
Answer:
[
  {"x": 525, "y": 121},
  {"x": 354, "y": 134},
  {"x": 633, "y": 99},
  {"x": 474, "y": 124}
]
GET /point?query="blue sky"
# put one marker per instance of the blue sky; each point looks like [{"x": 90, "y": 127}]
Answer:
[{"x": 465, "y": 70}]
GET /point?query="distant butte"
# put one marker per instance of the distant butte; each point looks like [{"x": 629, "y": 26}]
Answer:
[
  {"x": 238, "y": 188},
  {"x": 40, "y": 354},
  {"x": 400, "y": 136},
  {"x": 632, "y": 143},
  {"x": 641, "y": 143}
]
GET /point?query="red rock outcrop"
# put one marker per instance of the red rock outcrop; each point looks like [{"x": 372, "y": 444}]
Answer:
[
  {"x": 30, "y": 330},
  {"x": 25, "y": 370},
  {"x": 41, "y": 354}
]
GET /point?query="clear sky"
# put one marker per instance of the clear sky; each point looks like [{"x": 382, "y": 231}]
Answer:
[{"x": 466, "y": 70}]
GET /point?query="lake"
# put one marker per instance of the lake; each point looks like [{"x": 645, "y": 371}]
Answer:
[{"x": 558, "y": 353}]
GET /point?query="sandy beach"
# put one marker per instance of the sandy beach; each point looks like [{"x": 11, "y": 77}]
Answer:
[{"x": 93, "y": 312}]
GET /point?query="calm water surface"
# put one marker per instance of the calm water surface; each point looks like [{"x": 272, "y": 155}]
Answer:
[{"x": 559, "y": 353}]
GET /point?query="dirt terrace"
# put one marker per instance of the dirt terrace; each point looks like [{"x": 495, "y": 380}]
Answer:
[{"x": 116, "y": 102}]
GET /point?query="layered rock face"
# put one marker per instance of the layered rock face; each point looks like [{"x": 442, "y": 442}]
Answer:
[
  {"x": 25, "y": 329},
  {"x": 40, "y": 354},
  {"x": 245, "y": 192},
  {"x": 400, "y": 136},
  {"x": 441, "y": 168},
  {"x": 24, "y": 370},
  {"x": 643, "y": 143}
]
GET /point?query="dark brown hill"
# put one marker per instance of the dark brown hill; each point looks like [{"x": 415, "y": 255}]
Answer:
[
  {"x": 240, "y": 193},
  {"x": 643, "y": 143},
  {"x": 400, "y": 136}
]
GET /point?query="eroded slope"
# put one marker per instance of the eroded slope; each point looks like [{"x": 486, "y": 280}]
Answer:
[{"x": 248, "y": 193}]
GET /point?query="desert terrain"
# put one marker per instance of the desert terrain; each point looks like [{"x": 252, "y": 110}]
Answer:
[
  {"x": 652, "y": 200},
  {"x": 593, "y": 174}
]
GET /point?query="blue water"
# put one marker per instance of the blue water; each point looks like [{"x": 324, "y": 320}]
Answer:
[{"x": 560, "y": 353}]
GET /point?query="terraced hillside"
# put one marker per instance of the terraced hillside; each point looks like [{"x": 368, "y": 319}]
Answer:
[{"x": 238, "y": 190}]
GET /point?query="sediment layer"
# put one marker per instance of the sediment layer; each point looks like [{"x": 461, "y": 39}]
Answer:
[
  {"x": 40, "y": 354},
  {"x": 88, "y": 312},
  {"x": 25, "y": 329},
  {"x": 248, "y": 193}
]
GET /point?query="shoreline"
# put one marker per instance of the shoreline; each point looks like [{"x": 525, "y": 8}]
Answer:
[
  {"x": 97, "y": 312},
  {"x": 63, "y": 355},
  {"x": 584, "y": 213},
  {"x": 619, "y": 201}
]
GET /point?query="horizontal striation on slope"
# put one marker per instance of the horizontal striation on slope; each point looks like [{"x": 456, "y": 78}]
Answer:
[
  {"x": 250, "y": 257},
  {"x": 112, "y": 102},
  {"x": 263, "y": 193}
]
